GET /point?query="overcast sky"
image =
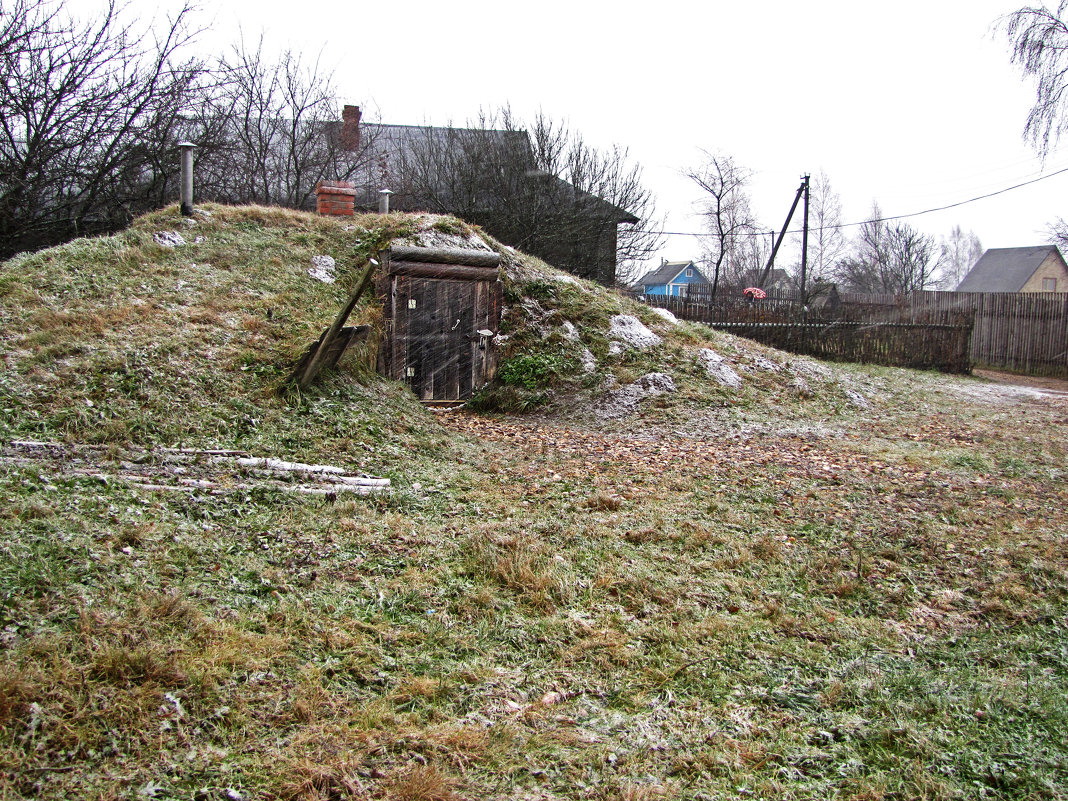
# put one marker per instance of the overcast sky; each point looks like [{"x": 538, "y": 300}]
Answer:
[{"x": 912, "y": 103}]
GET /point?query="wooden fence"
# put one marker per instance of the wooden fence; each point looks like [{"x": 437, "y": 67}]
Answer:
[
  {"x": 1024, "y": 333},
  {"x": 933, "y": 339},
  {"x": 920, "y": 346},
  {"x": 1019, "y": 332}
]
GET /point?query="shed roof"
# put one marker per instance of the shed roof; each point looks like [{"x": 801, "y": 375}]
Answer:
[{"x": 1005, "y": 269}]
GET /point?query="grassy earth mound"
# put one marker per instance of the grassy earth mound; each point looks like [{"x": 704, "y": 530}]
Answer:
[{"x": 697, "y": 568}]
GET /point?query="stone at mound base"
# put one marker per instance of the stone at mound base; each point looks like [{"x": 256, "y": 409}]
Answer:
[
  {"x": 656, "y": 383},
  {"x": 801, "y": 387},
  {"x": 858, "y": 400},
  {"x": 629, "y": 330},
  {"x": 767, "y": 365}
]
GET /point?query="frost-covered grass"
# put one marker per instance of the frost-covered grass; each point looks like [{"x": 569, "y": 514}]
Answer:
[{"x": 750, "y": 593}]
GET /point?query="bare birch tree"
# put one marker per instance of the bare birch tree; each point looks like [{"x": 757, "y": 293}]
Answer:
[
  {"x": 728, "y": 216},
  {"x": 826, "y": 242},
  {"x": 960, "y": 250},
  {"x": 1039, "y": 45}
]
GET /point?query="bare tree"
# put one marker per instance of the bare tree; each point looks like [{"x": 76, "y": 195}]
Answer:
[
  {"x": 960, "y": 251},
  {"x": 267, "y": 130},
  {"x": 89, "y": 114},
  {"x": 747, "y": 256},
  {"x": 727, "y": 213},
  {"x": 540, "y": 188},
  {"x": 863, "y": 269},
  {"x": 1039, "y": 43},
  {"x": 915, "y": 259},
  {"x": 1057, "y": 233},
  {"x": 893, "y": 259}
]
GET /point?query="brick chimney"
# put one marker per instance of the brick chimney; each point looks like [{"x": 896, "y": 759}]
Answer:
[
  {"x": 350, "y": 128},
  {"x": 335, "y": 198}
]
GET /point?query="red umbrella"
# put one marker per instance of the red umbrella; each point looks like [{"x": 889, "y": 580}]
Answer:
[{"x": 754, "y": 292}]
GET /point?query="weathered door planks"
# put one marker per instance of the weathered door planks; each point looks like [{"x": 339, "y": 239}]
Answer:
[{"x": 434, "y": 311}]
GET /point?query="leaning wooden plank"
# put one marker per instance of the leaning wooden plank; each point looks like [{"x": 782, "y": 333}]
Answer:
[
  {"x": 316, "y": 363},
  {"x": 346, "y": 337}
]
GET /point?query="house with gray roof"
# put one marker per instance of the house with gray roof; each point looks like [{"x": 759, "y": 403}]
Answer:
[
  {"x": 1032, "y": 269},
  {"x": 674, "y": 278}
]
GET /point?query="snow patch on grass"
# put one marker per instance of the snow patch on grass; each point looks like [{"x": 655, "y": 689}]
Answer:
[
  {"x": 623, "y": 402},
  {"x": 671, "y": 318},
  {"x": 629, "y": 331},
  {"x": 717, "y": 368},
  {"x": 322, "y": 269}
]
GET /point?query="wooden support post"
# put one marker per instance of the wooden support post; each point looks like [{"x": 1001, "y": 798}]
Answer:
[{"x": 316, "y": 363}]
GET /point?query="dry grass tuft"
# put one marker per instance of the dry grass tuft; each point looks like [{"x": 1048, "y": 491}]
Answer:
[
  {"x": 646, "y": 792},
  {"x": 767, "y": 548},
  {"x": 14, "y": 691},
  {"x": 136, "y": 665},
  {"x": 171, "y": 608},
  {"x": 412, "y": 687},
  {"x": 316, "y": 780},
  {"x": 521, "y": 564},
  {"x": 604, "y": 502},
  {"x": 423, "y": 783}
]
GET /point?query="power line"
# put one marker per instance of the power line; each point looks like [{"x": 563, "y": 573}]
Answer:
[{"x": 880, "y": 219}]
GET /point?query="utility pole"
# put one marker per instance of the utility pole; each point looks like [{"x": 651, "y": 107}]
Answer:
[
  {"x": 804, "y": 246},
  {"x": 782, "y": 233}
]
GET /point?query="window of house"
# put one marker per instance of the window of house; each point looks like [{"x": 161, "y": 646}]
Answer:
[
  {"x": 1049, "y": 284},
  {"x": 689, "y": 272}
]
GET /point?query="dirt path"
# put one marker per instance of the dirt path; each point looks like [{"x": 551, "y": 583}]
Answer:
[{"x": 1058, "y": 385}]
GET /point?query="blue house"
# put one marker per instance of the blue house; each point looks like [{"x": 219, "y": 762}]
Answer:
[{"x": 672, "y": 278}]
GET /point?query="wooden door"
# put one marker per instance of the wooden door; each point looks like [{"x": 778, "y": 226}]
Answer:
[{"x": 436, "y": 347}]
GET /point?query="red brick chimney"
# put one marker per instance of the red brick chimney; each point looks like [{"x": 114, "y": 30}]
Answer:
[
  {"x": 350, "y": 128},
  {"x": 335, "y": 198}
]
